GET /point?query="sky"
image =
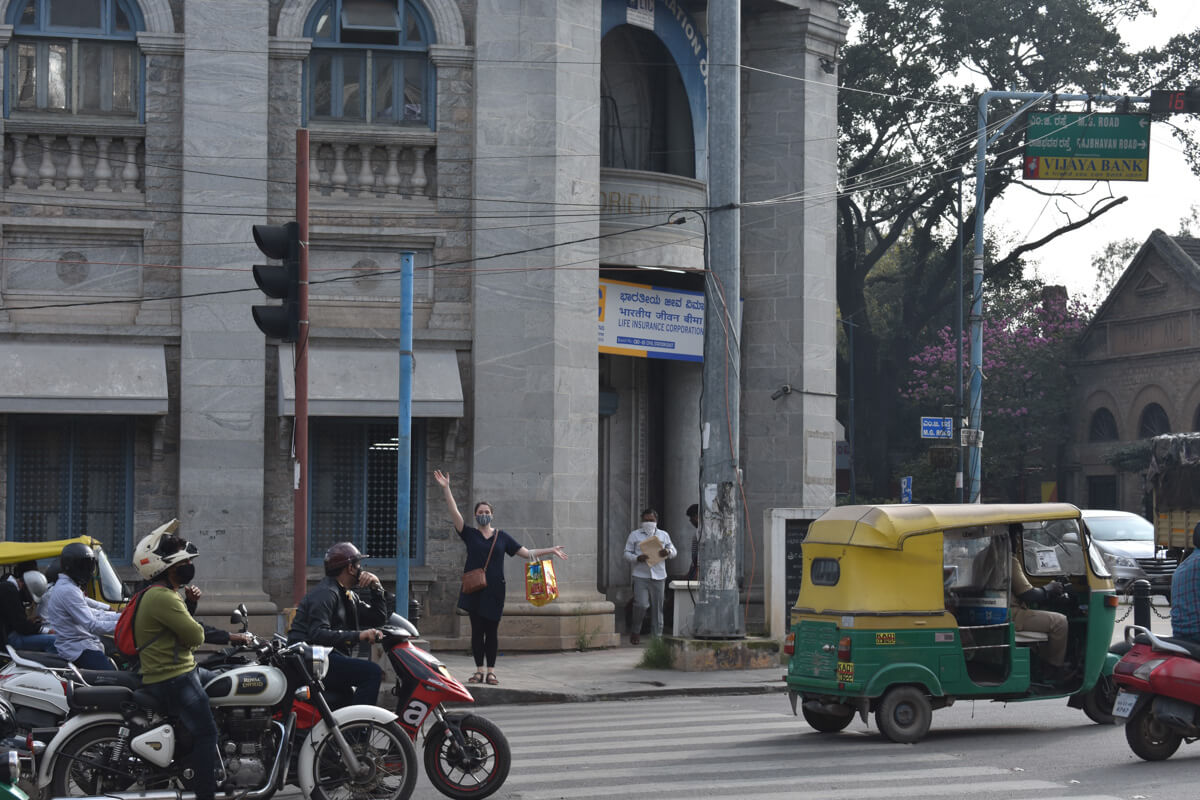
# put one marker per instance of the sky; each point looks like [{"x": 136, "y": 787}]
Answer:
[{"x": 1159, "y": 202}]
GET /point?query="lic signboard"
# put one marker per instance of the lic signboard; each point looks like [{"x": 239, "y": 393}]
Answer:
[{"x": 937, "y": 427}]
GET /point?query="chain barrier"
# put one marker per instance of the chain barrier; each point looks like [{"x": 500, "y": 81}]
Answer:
[{"x": 1127, "y": 597}]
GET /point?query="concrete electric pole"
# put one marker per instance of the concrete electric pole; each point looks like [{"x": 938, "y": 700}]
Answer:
[{"x": 718, "y": 610}]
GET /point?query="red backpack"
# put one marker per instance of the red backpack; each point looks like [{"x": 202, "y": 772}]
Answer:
[{"x": 123, "y": 633}]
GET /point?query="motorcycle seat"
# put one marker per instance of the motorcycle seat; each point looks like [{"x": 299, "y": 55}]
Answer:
[
  {"x": 98, "y": 698},
  {"x": 45, "y": 659},
  {"x": 1193, "y": 648},
  {"x": 111, "y": 677}
]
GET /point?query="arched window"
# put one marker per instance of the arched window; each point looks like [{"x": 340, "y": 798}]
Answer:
[
  {"x": 1154, "y": 422},
  {"x": 75, "y": 57},
  {"x": 1103, "y": 427},
  {"x": 370, "y": 62}
]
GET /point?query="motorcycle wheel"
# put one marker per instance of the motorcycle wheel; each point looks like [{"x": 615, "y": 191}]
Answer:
[
  {"x": 478, "y": 772},
  {"x": 826, "y": 721},
  {"x": 84, "y": 765},
  {"x": 1150, "y": 739},
  {"x": 1098, "y": 702},
  {"x": 386, "y": 751}
]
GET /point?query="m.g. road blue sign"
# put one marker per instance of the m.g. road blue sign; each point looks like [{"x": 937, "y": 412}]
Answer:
[{"x": 937, "y": 427}]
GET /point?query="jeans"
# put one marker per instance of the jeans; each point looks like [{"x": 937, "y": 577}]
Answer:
[
  {"x": 32, "y": 641},
  {"x": 648, "y": 593},
  {"x": 93, "y": 659},
  {"x": 183, "y": 697},
  {"x": 354, "y": 675}
]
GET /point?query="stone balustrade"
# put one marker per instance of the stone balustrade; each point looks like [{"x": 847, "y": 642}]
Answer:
[
  {"x": 56, "y": 159},
  {"x": 360, "y": 164}
]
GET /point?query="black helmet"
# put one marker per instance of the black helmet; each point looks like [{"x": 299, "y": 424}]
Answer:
[
  {"x": 77, "y": 562},
  {"x": 340, "y": 555}
]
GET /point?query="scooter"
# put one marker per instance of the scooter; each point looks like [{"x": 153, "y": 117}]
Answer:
[{"x": 1159, "y": 699}]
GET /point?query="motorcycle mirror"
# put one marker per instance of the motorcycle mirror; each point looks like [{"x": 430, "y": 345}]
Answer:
[{"x": 238, "y": 616}]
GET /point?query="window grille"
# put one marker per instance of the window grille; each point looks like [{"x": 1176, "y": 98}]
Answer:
[
  {"x": 352, "y": 478},
  {"x": 72, "y": 477}
]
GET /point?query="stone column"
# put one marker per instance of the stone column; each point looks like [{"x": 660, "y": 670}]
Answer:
[
  {"x": 789, "y": 265},
  {"x": 681, "y": 459},
  {"x": 222, "y": 351},
  {"x": 535, "y": 348}
]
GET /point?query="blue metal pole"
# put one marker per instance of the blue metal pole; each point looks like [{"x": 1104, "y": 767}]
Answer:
[{"x": 404, "y": 434}]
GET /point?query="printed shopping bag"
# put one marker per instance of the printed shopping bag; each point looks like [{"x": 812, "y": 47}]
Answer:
[{"x": 541, "y": 586}]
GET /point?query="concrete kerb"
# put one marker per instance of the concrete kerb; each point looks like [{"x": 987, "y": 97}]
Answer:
[{"x": 495, "y": 696}]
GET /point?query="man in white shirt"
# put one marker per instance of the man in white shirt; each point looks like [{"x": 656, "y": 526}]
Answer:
[
  {"x": 78, "y": 620},
  {"x": 649, "y": 582}
]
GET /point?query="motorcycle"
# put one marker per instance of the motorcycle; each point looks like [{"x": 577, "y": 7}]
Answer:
[
  {"x": 1159, "y": 699},
  {"x": 466, "y": 755},
  {"x": 119, "y": 742}
]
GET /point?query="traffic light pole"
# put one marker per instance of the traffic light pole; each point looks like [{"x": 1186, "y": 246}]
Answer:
[{"x": 300, "y": 494}]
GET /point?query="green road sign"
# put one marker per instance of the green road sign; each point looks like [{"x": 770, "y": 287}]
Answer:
[{"x": 1064, "y": 145}]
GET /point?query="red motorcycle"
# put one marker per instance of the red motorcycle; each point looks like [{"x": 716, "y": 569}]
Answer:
[
  {"x": 466, "y": 755},
  {"x": 1159, "y": 699}
]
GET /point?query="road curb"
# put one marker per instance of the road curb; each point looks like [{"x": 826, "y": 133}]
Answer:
[{"x": 500, "y": 697}]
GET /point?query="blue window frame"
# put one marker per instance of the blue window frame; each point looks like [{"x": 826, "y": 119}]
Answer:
[
  {"x": 71, "y": 476},
  {"x": 370, "y": 62},
  {"x": 352, "y": 487},
  {"x": 75, "y": 57}
]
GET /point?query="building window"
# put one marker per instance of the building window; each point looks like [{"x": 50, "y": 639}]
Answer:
[
  {"x": 1154, "y": 422},
  {"x": 370, "y": 62},
  {"x": 75, "y": 57},
  {"x": 1103, "y": 427},
  {"x": 352, "y": 480},
  {"x": 72, "y": 476},
  {"x": 1102, "y": 491}
]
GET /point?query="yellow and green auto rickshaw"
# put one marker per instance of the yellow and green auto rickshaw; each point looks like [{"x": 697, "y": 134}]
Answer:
[
  {"x": 105, "y": 585},
  {"x": 906, "y": 608}
]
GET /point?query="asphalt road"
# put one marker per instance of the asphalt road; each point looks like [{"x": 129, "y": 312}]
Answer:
[{"x": 752, "y": 746}]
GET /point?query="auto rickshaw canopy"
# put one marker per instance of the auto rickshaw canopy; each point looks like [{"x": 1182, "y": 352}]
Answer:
[
  {"x": 888, "y": 526},
  {"x": 16, "y": 552}
]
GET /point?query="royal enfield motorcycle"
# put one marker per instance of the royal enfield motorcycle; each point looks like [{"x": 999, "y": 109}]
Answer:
[{"x": 119, "y": 743}]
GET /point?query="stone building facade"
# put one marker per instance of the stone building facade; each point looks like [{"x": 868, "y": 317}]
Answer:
[
  {"x": 1136, "y": 374},
  {"x": 526, "y": 154}
]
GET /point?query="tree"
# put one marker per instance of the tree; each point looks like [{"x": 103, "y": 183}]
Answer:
[
  {"x": 1031, "y": 332},
  {"x": 910, "y": 78}
]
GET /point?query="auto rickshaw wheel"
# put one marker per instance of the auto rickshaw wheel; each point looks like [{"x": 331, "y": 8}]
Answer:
[
  {"x": 904, "y": 714},
  {"x": 827, "y": 721},
  {"x": 1098, "y": 702},
  {"x": 1150, "y": 739}
]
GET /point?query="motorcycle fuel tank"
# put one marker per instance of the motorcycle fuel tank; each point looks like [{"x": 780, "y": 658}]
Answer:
[{"x": 247, "y": 686}]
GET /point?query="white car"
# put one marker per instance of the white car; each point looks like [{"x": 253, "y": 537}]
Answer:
[{"x": 1126, "y": 542}]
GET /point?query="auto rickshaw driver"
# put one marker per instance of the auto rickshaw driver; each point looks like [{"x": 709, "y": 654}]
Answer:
[{"x": 1051, "y": 623}]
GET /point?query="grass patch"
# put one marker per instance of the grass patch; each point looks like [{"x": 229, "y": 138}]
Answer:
[
  {"x": 585, "y": 634},
  {"x": 657, "y": 654}
]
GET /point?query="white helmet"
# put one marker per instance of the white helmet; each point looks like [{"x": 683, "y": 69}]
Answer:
[
  {"x": 159, "y": 551},
  {"x": 35, "y": 582}
]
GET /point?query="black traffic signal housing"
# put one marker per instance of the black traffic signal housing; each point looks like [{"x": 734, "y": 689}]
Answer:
[{"x": 281, "y": 242}]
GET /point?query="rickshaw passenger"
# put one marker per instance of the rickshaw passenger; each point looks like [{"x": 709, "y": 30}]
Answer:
[{"x": 1051, "y": 623}]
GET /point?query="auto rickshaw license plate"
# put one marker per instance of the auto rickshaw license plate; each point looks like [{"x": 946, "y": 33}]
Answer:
[
  {"x": 1124, "y": 705},
  {"x": 845, "y": 671},
  {"x": 885, "y": 638}
]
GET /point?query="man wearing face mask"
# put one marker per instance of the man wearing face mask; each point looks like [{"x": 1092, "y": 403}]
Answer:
[
  {"x": 340, "y": 612},
  {"x": 649, "y": 582}
]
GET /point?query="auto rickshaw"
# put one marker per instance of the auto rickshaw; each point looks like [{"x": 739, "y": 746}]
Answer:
[
  {"x": 105, "y": 585},
  {"x": 906, "y": 608}
]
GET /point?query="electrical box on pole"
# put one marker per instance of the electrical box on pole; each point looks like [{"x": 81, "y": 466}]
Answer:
[{"x": 280, "y": 242}]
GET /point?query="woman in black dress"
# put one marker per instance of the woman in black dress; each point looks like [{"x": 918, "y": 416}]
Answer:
[{"x": 485, "y": 607}]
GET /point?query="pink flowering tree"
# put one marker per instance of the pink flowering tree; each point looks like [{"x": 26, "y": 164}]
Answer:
[{"x": 1028, "y": 338}]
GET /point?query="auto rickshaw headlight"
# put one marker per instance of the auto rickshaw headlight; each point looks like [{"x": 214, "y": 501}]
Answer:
[
  {"x": 844, "y": 649},
  {"x": 1143, "y": 672}
]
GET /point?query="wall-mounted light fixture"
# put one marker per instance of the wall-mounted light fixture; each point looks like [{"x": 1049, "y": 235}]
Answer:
[{"x": 828, "y": 65}]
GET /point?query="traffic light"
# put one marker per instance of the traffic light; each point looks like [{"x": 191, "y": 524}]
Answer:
[{"x": 281, "y": 242}]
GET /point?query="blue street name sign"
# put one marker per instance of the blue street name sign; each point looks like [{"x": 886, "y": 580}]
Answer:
[
  {"x": 937, "y": 427},
  {"x": 906, "y": 489}
]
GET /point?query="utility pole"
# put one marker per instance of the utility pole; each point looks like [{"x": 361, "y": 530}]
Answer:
[{"x": 718, "y": 610}]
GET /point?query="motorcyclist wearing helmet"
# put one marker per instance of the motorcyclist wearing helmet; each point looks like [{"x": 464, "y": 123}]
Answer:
[
  {"x": 78, "y": 620},
  {"x": 333, "y": 614},
  {"x": 166, "y": 633},
  {"x": 21, "y": 629}
]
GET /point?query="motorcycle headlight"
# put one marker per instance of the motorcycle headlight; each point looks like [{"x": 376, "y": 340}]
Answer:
[{"x": 320, "y": 661}]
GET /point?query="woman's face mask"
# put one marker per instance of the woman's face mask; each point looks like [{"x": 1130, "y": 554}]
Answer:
[
  {"x": 483, "y": 519},
  {"x": 649, "y": 527}
]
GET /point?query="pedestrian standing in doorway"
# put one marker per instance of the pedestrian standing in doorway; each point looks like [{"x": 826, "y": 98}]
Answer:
[
  {"x": 486, "y": 548},
  {"x": 649, "y": 582}
]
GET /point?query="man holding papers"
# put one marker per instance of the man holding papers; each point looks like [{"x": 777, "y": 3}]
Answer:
[{"x": 647, "y": 549}]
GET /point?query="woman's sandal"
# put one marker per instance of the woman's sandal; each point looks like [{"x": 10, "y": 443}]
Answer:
[
  {"x": 492, "y": 680},
  {"x": 476, "y": 678}
]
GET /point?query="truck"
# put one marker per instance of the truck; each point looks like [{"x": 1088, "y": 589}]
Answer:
[{"x": 1173, "y": 489}]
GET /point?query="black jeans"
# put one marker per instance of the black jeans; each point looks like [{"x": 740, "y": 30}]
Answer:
[
  {"x": 357, "y": 676},
  {"x": 183, "y": 697}
]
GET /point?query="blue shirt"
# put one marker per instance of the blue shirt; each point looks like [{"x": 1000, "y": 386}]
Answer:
[
  {"x": 77, "y": 620},
  {"x": 1185, "y": 599}
]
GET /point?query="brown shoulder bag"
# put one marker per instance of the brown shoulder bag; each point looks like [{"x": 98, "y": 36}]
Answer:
[{"x": 475, "y": 580}]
